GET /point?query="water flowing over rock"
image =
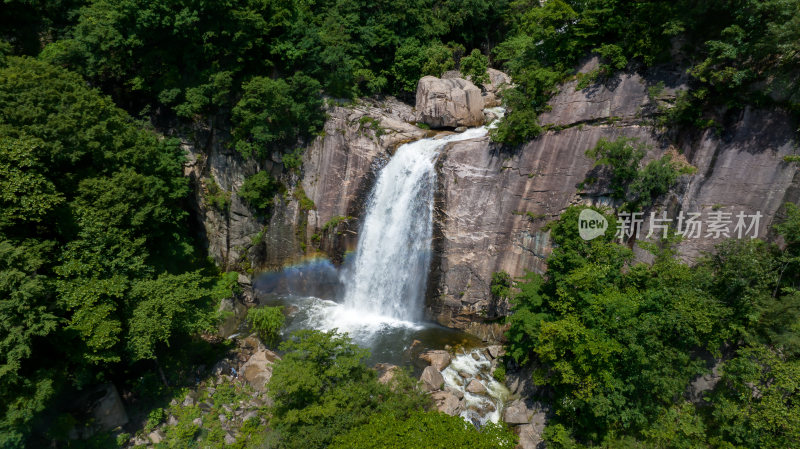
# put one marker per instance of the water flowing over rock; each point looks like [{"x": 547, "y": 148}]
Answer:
[
  {"x": 449, "y": 102},
  {"x": 339, "y": 169},
  {"x": 469, "y": 376},
  {"x": 491, "y": 202},
  {"x": 392, "y": 259}
]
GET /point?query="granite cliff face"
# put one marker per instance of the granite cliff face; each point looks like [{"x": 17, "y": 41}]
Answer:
[
  {"x": 492, "y": 202},
  {"x": 339, "y": 168}
]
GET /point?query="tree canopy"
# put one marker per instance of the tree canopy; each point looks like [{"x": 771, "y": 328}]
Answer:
[{"x": 97, "y": 267}]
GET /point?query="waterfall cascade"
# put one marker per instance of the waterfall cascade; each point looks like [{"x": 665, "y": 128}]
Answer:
[
  {"x": 385, "y": 279},
  {"x": 394, "y": 247}
]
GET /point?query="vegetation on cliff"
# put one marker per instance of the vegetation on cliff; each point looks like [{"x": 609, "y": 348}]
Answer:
[
  {"x": 617, "y": 343},
  {"x": 736, "y": 52}
]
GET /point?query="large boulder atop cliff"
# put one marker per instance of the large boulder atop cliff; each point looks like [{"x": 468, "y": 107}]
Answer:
[
  {"x": 449, "y": 103},
  {"x": 491, "y": 90}
]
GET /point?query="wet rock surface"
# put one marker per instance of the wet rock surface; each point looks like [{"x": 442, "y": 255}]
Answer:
[
  {"x": 432, "y": 379},
  {"x": 439, "y": 359}
]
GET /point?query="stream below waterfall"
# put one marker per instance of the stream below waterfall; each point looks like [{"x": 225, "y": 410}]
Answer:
[{"x": 377, "y": 296}]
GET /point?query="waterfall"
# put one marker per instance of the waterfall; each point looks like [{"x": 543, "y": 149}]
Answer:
[{"x": 394, "y": 248}]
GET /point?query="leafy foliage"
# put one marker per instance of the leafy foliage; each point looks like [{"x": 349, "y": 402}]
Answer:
[
  {"x": 96, "y": 266},
  {"x": 258, "y": 191},
  {"x": 474, "y": 66},
  {"x": 617, "y": 344},
  {"x": 273, "y": 112},
  {"x": 639, "y": 186},
  {"x": 423, "y": 430},
  {"x": 322, "y": 388},
  {"x": 264, "y": 64},
  {"x": 267, "y": 322}
]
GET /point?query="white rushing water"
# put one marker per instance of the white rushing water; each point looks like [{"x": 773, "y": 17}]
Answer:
[
  {"x": 394, "y": 247},
  {"x": 478, "y": 408}
]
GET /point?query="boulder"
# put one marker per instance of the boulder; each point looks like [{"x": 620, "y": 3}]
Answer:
[
  {"x": 108, "y": 410},
  {"x": 386, "y": 372},
  {"x": 475, "y": 387},
  {"x": 530, "y": 436},
  {"x": 448, "y": 103},
  {"x": 258, "y": 369},
  {"x": 447, "y": 402},
  {"x": 455, "y": 392},
  {"x": 495, "y": 351},
  {"x": 497, "y": 82},
  {"x": 431, "y": 379},
  {"x": 517, "y": 413},
  {"x": 229, "y": 439},
  {"x": 156, "y": 436},
  {"x": 438, "y": 359}
]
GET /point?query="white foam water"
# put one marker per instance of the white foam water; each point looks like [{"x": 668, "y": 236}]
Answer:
[{"x": 478, "y": 408}]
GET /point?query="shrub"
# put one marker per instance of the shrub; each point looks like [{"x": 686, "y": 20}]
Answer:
[
  {"x": 267, "y": 323},
  {"x": 258, "y": 191},
  {"x": 474, "y": 66},
  {"x": 216, "y": 196},
  {"x": 276, "y": 111}
]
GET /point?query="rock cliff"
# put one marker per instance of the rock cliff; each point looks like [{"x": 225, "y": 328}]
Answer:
[
  {"x": 492, "y": 201},
  {"x": 317, "y": 215}
]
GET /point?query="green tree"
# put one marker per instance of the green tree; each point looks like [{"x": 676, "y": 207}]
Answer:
[
  {"x": 756, "y": 404},
  {"x": 258, "y": 191},
  {"x": 474, "y": 66},
  {"x": 322, "y": 388},
  {"x": 272, "y": 112},
  {"x": 26, "y": 319},
  {"x": 424, "y": 430},
  {"x": 98, "y": 268}
]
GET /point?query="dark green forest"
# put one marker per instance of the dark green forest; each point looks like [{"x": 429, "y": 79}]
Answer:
[{"x": 102, "y": 276}]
